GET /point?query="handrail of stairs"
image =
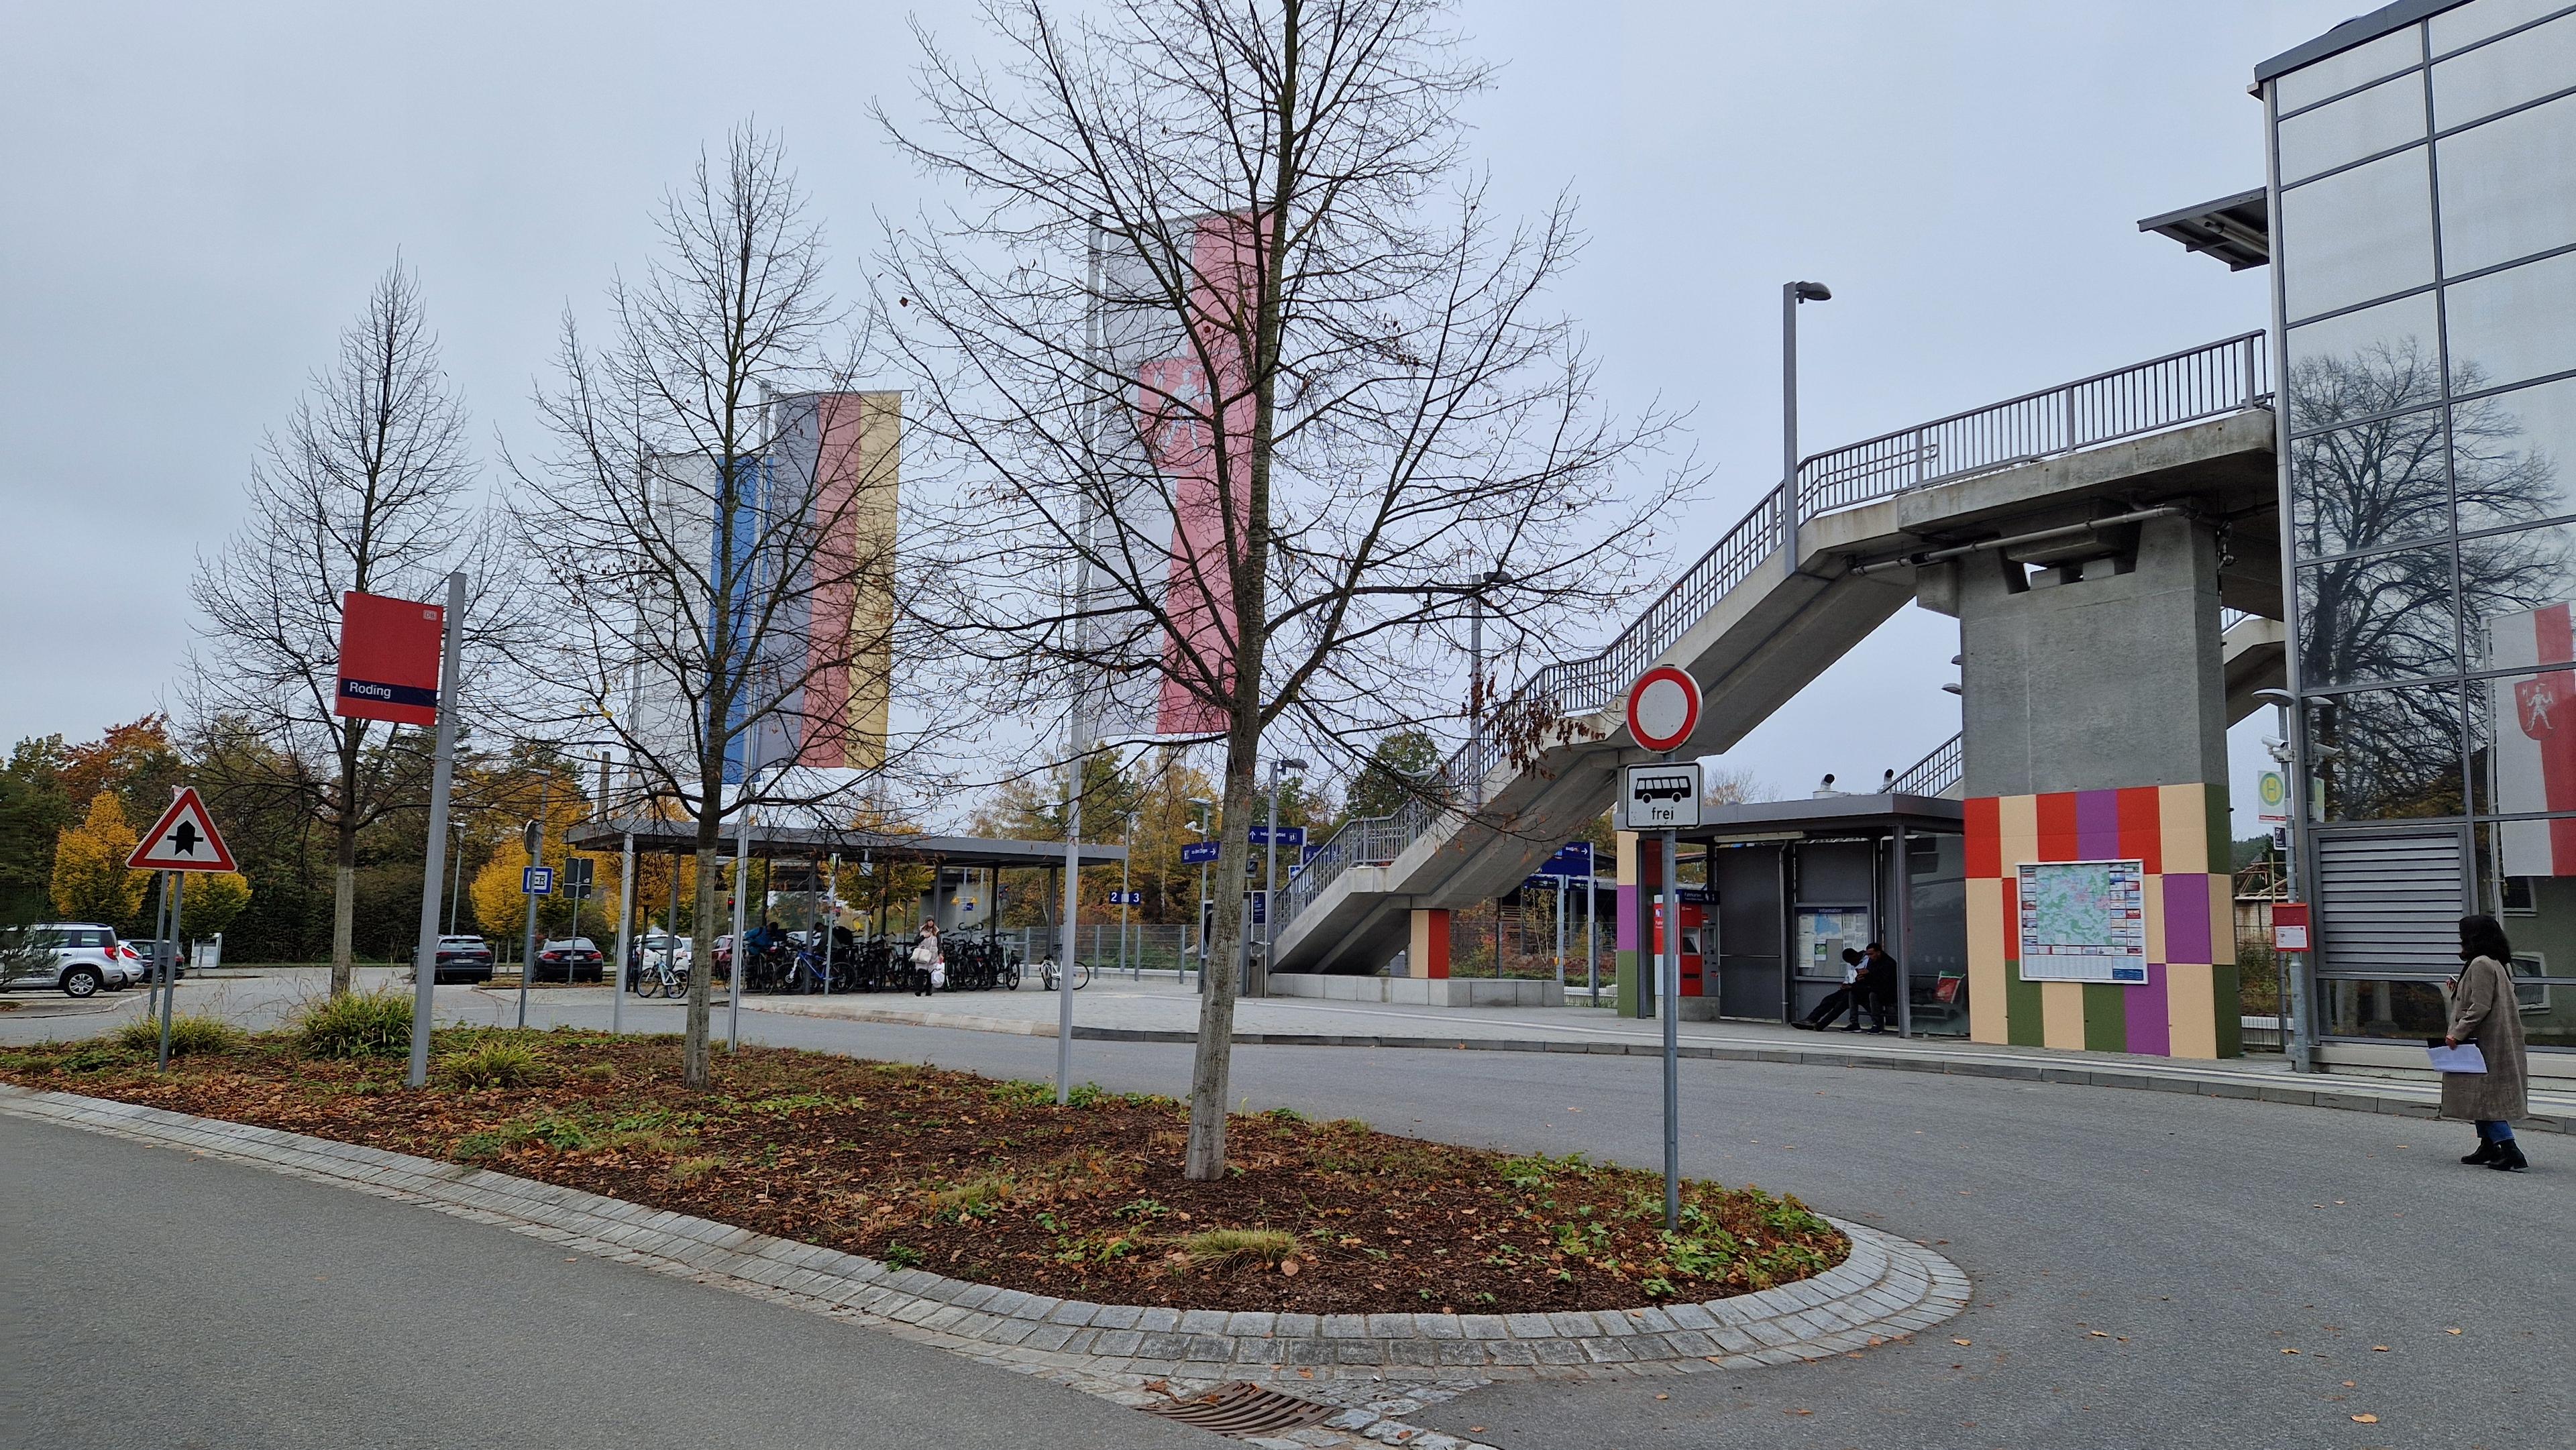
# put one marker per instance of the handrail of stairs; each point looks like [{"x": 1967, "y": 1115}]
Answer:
[{"x": 2180, "y": 388}]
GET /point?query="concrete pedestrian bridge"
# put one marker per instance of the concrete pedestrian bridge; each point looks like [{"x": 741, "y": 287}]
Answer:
[{"x": 2111, "y": 541}]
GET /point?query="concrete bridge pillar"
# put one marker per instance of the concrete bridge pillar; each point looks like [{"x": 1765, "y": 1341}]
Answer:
[
  {"x": 1426, "y": 952},
  {"x": 2094, "y": 702}
]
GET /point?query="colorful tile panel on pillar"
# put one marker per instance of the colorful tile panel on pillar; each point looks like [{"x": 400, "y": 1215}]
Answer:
[{"x": 2183, "y": 1003}]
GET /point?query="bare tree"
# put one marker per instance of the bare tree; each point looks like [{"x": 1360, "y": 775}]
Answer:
[
  {"x": 715, "y": 524},
  {"x": 366, "y": 491},
  {"x": 1245, "y": 393}
]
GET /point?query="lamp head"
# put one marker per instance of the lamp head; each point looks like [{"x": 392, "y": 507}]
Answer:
[{"x": 1811, "y": 291}]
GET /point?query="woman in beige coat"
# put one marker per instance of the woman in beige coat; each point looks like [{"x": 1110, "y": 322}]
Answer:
[{"x": 2483, "y": 1011}]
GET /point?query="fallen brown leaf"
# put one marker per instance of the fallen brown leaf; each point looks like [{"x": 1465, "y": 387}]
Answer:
[
  {"x": 2365, "y": 1419},
  {"x": 2450, "y": 1331},
  {"x": 2379, "y": 1349},
  {"x": 1959, "y": 1342}
]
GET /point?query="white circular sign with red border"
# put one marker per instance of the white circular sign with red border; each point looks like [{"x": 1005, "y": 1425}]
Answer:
[{"x": 1663, "y": 707}]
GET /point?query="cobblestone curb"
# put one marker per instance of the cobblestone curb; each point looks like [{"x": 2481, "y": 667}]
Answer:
[{"x": 1376, "y": 1366}]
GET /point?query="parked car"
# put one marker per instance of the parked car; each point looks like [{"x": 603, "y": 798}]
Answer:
[
  {"x": 462, "y": 959},
  {"x": 76, "y": 958},
  {"x": 573, "y": 959},
  {"x": 652, "y": 947}
]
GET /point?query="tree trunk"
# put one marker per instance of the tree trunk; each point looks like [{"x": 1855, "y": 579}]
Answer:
[
  {"x": 702, "y": 960},
  {"x": 1214, "y": 1057},
  {"x": 344, "y": 883}
]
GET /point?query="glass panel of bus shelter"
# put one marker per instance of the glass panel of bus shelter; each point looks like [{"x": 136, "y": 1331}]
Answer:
[
  {"x": 2494, "y": 210},
  {"x": 2512, "y": 325},
  {"x": 1936, "y": 963},
  {"x": 2384, "y": 1007},
  {"x": 2384, "y": 482},
  {"x": 2377, "y": 617},
  {"x": 2388, "y": 114},
  {"x": 2523, "y": 882},
  {"x": 2387, "y": 754},
  {"x": 2357, "y": 234},
  {"x": 2513, "y": 456},
  {"x": 2525, "y": 67}
]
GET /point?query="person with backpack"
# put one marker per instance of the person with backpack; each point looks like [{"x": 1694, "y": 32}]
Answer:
[
  {"x": 929, "y": 967},
  {"x": 2485, "y": 1013}
]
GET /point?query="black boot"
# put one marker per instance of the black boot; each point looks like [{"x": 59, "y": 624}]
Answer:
[
  {"x": 2486, "y": 1153},
  {"x": 2508, "y": 1158}
]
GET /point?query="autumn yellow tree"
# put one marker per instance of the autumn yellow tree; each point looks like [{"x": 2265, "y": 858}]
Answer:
[
  {"x": 213, "y": 899},
  {"x": 90, "y": 881},
  {"x": 502, "y": 908}
]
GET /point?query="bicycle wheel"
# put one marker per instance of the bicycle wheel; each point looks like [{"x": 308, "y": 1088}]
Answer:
[{"x": 1081, "y": 975}]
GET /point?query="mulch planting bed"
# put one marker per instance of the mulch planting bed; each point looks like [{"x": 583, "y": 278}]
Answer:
[{"x": 990, "y": 1181}]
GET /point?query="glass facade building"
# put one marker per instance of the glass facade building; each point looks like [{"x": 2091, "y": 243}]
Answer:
[{"x": 2423, "y": 211}]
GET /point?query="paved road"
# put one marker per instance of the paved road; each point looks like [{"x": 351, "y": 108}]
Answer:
[
  {"x": 158, "y": 1299},
  {"x": 2142, "y": 1260}
]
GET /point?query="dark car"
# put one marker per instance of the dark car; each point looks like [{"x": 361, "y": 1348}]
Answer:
[
  {"x": 574, "y": 960},
  {"x": 463, "y": 959}
]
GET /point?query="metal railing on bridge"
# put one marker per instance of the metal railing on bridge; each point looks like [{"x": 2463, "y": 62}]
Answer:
[
  {"x": 2179, "y": 388},
  {"x": 1934, "y": 773}
]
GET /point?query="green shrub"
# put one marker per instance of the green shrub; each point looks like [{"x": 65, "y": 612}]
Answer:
[
  {"x": 500, "y": 1064},
  {"x": 189, "y": 1032},
  {"x": 356, "y": 1024}
]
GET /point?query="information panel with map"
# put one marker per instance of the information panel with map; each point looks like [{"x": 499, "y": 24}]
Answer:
[{"x": 2084, "y": 921}]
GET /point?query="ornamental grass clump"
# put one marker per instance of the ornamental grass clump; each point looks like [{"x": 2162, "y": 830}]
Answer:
[
  {"x": 190, "y": 1032},
  {"x": 356, "y": 1024},
  {"x": 499, "y": 1064}
]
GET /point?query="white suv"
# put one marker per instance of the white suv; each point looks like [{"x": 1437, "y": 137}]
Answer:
[{"x": 76, "y": 958}]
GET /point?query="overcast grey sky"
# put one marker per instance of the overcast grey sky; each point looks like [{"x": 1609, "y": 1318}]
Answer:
[{"x": 199, "y": 196}]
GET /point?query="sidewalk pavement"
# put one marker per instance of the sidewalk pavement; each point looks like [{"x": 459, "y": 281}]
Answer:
[{"x": 1154, "y": 1008}]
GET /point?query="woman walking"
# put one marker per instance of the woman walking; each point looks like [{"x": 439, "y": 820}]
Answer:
[{"x": 2483, "y": 1012}]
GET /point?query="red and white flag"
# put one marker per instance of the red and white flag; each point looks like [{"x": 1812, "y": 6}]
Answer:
[{"x": 2535, "y": 739}]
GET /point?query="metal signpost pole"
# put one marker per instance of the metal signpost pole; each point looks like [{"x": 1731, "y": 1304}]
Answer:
[
  {"x": 178, "y": 929},
  {"x": 625, "y": 932},
  {"x": 1560, "y": 938},
  {"x": 832, "y": 908},
  {"x": 1072, "y": 908},
  {"x": 153, "y": 983},
  {"x": 1672, "y": 972},
  {"x": 536, "y": 843},
  {"x": 1592, "y": 932},
  {"x": 441, "y": 776}
]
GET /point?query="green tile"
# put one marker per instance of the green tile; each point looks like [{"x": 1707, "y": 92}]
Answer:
[
  {"x": 2023, "y": 1025},
  {"x": 2106, "y": 1017}
]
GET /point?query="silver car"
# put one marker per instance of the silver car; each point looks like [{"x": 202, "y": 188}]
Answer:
[{"x": 76, "y": 958}]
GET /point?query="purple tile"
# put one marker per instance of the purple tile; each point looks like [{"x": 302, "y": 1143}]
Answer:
[
  {"x": 2150, "y": 1021},
  {"x": 2097, "y": 824},
  {"x": 2186, "y": 917}
]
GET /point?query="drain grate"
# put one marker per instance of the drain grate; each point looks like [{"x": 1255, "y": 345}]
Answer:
[{"x": 1244, "y": 1410}]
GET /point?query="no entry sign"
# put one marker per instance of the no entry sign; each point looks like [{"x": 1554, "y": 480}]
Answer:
[
  {"x": 1663, "y": 707},
  {"x": 389, "y": 659}
]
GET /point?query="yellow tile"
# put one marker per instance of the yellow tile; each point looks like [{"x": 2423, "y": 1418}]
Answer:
[
  {"x": 2155, "y": 902},
  {"x": 1627, "y": 858},
  {"x": 2191, "y": 1010},
  {"x": 2182, "y": 813},
  {"x": 1986, "y": 927},
  {"x": 2061, "y": 1015},
  {"x": 2222, "y": 920},
  {"x": 2017, "y": 827}
]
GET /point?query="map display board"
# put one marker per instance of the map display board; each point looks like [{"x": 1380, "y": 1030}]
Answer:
[{"x": 2084, "y": 921}]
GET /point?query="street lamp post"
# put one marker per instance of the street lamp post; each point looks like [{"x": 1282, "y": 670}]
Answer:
[
  {"x": 1791, "y": 294},
  {"x": 2300, "y": 1046}
]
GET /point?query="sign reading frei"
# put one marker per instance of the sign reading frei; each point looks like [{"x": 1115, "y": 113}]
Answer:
[
  {"x": 184, "y": 839},
  {"x": 389, "y": 659},
  {"x": 1659, "y": 797}
]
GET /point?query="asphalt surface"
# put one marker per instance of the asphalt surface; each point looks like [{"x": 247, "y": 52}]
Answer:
[
  {"x": 2142, "y": 1261},
  {"x": 156, "y": 1298}
]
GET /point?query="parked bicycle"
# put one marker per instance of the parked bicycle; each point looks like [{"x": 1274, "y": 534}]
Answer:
[{"x": 1049, "y": 973}]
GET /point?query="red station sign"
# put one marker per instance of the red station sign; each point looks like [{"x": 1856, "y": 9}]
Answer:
[{"x": 389, "y": 659}]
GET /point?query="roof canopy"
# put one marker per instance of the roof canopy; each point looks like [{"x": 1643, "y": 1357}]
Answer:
[
  {"x": 800, "y": 843},
  {"x": 1826, "y": 816},
  {"x": 2235, "y": 229}
]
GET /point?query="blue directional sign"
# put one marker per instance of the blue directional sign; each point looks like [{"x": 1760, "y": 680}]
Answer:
[
  {"x": 1574, "y": 858},
  {"x": 1126, "y": 898},
  {"x": 538, "y": 881},
  {"x": 1199, "y": 853},
  {"x": 1260, "y": 903},
  {"x": 1288, "y": 835}
]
